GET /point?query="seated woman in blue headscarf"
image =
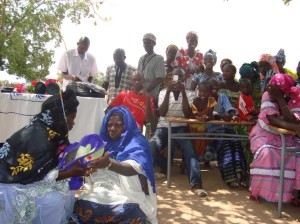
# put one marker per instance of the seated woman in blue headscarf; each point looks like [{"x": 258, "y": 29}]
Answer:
[
  {"x": 122, "y": 190},
  {"x": 30, "y": 190}
]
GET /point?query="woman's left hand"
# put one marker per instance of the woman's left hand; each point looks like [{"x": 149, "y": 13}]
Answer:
[{"x": 274, "y": 91}]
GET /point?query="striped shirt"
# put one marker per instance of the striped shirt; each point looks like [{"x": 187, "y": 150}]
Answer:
[
  {"x": 175, "y": 107},
  {"x": 152, "y": 66},
  {"x": 125, "y": 83}
]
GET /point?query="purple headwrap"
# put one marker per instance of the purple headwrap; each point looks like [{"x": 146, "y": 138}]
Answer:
[
  {"x": 190, "y": 34},
  {"x": 285, "y": 82},
  {"x": 280, "y": 56}
]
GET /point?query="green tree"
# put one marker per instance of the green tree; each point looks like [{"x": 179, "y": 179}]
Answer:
[{"x": 27, "y": 26}]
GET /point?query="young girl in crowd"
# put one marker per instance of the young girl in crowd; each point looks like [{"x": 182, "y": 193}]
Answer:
[
  {"x": 202, "y": 108},
  {"x": 267, "y": 68},
  {"x": 231, "y": 159},
  {"x": 209, "y": 61},
  {"x": 245, "y": 104}
]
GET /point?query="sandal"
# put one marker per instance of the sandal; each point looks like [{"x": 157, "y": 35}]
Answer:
[{"x": 200, "y": 192}]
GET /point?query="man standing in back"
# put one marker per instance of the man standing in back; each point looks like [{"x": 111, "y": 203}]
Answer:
[
  {"x": 118, "y": 76},
  {"x": 77, "y": 64},
  {"x": 153, "y": 68}
]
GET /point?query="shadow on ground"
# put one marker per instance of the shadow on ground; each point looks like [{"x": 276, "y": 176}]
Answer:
[{"x": 223, "y": 205}]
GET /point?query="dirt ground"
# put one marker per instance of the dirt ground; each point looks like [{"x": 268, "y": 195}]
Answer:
[{"x": 223, "y": 205}]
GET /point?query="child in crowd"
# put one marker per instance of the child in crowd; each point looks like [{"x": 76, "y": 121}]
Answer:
[
  {"x": 137, "y": 100},
  {"x": 202, "y": 108},
  {"x": 245, "y": 104}
]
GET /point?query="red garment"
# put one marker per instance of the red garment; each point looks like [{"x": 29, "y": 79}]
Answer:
[
  {"x": 245, "y": 105},
  {"x": 135, "y": 103}
]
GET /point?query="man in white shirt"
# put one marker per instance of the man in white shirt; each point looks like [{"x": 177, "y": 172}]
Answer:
[
  {"x": 77, "y": 64},
  {"x": 175, "y": 100}
]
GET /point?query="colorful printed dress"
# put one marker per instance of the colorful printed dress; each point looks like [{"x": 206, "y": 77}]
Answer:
[
  {"x": 200, "y": 145},
  {"x": 265, "y": 146},
  {"x": 240, "y": 129},
  {"x": 230, "y": 156},
  {"x": 183, "y": 60},
  {"x": 28, "y": 186}
]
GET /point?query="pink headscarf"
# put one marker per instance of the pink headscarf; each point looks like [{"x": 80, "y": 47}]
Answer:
[
  {"x": 295, "y": 97},
  {"x": 285, "y": 82},
  {"x": 269, "y": 58}
]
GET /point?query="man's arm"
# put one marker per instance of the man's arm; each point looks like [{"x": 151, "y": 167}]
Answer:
[
  {"x": 149, "y": 109},
  {"x": 105, "y": 85},
  {"x": 67, "y": 76}
]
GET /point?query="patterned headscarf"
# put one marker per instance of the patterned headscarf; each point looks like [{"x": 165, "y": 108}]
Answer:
[
  {"x": 59, "y": 111},
  {"x": 210, "y": 52},
  {"x": 132, "y": 145},
  {"x": 280, "y": 56},
  {"x": 285, "y": 82},
  {"x": 269, "y": 58},
  {"x": 190, "y": 34},
  {"x": 150, "y": 36}
]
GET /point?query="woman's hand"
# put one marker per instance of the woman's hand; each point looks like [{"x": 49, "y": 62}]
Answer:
[
  {"x": 274, "y": 91},
  {"x": 236, "y": 118},
  {"x": 75, "y": 171},
  {"x": 227, "y": 117},
  {"x": 202, "y": 118},
  {"x": 100, "y": 163},
  {"x": 78, "y": 170}
]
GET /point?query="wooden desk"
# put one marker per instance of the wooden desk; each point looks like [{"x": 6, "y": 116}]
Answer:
[
  {"x": 205, "y": 135},
  {"x": 17, "y": 109}
]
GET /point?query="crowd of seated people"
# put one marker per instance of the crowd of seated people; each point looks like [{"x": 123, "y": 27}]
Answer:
[{"x": 210, "y": 95}]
